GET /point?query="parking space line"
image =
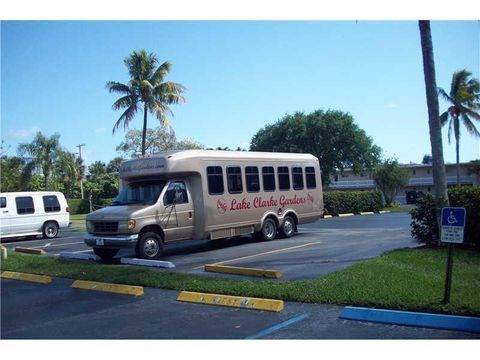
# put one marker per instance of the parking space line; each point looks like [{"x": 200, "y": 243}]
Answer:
[
  {"x": 80, "y": 251},
  {"x": 50, "y": 244},
  {"x": 260, "y": 254},
  {"x": 277, "y": 327}
]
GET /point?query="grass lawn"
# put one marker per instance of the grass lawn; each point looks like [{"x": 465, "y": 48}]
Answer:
[{"x": 410, "y": 279}]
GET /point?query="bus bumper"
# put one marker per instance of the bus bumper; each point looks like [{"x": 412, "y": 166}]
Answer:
[{"x": 111, "y": 241}]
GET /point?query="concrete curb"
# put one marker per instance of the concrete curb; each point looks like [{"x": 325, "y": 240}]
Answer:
[
  {"x": 26, "y": 250},
  {"x": 367, "y": 213},
  {"x": 40, "y": 279},
  {"x": 152, "y": 263},
  {"x": 435, "y": 321},
  {"x": 108, "y": 287},
  {"x": 384, "y": 211},
  {"x": 346, "y": 214},
  {"x": 232, "y": 301},
  {"x": 243, "y": 271}
]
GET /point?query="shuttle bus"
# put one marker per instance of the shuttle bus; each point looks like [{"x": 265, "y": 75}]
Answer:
[{"x": 206, "y": 194}]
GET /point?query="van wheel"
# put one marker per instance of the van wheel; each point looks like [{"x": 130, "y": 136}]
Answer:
[
  {"x": 105, "y": 254},
  {"x": 269, "y": 230},
  {"x": 150, "y": 246},
  {"x": 288, "y": 227},
  {"x": 50, "y": 230}
]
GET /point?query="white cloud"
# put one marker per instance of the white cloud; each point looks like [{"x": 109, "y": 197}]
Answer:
[
  {"x": 100, "y": 130},
  {"x": 25, "y": 133},
  {"x": 391, "y": 105}
]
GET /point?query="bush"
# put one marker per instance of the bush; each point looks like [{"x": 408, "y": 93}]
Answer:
[
  {"x": 424, "y": 220},
  {"x": 339, "y": 202},
  {"x": 82, "y": 206}
]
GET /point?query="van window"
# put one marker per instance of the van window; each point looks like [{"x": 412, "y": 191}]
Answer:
[
  {"x": 50, "y": 203},
  {"x": 215, "y": 180},
  {"x": 310, "y": 174},
  {"x": 234, "y": 179},
  {"x": 268, "y": 177},
  {"x": 283, "y": 178},
  {"x": 297, "y": 178},
  {"x": 253, "y": 180},
  {"x": 176, "y": 193},
  {"x": 3, "y": 202},
  {"x": 24, "y": 205}
]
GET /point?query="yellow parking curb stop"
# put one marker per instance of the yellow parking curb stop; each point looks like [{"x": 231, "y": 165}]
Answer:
[
  {"x": 108, "y": 287},
  {"x": 232, "y": 301},
  {"x": 29, "y": 250},
  {"x": 41, "y": 279},
  {"x": 235, "y": 270}
]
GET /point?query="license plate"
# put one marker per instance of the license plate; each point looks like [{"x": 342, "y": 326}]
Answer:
[{"x": 99, "y": 242}]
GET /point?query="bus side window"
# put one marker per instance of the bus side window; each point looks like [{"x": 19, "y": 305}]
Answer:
[
  {"x": 252, "y": 179},
  {"x": 234, "y": 179},
  {"x": 268, "y": 177},
  {"x": 310, "y": 174},
  {"x": 297, "y": 178},
  {"x": 215, "y": 180},
  {"x": 283, "y": 178}
]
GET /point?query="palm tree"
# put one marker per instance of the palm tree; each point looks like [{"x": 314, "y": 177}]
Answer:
[
  {"x": 43, "y": 152},
  {"x": 464, "y": 103},
  {"x": 438, "y": 164},
  {"x": 146, "y": 89}
]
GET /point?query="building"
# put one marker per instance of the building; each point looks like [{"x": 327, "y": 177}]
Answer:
[{"x": 420, "y": 179}]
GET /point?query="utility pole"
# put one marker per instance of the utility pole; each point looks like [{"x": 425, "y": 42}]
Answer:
[{"x": 80, "y": 156}]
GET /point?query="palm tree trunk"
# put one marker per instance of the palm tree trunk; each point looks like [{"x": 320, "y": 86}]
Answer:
[
  {"x": 438, "y": 164},
  {"x": 458, "y": 160},
  {"x": 144, "y": 134}
]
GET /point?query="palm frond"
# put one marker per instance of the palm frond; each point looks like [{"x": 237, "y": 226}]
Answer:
[
  {"x": 159, "y": 110},
  {"x": 161, "y": 72},
  {"x": 124, "y": 102},
  {"x": 126, "y": 117},
  {"x": 169, "y": 93},
  {"x": 140, "y": 65},
  {"x": 444, "y": 118},
  {"x": 472, "y": 130},
  {"x": 116, "y": 87},
  {"x": 445, "y": 95}
]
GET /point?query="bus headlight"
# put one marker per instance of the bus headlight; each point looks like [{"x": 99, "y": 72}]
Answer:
[{"x": 127, "y": 225}]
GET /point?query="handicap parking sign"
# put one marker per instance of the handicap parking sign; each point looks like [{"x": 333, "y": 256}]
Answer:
[{"x": 453, "y": 224}]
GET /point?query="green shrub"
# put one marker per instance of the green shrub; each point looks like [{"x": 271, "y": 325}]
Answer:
[
  {"x": 339, "y": 202},
  {"x": 424, "y": 221},
  {"x": 82, "y": 206}
]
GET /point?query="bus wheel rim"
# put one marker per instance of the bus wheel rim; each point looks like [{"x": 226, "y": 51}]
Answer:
[
  {"x": 150, "y": 247},
  {"x": 269, "y": 229}
]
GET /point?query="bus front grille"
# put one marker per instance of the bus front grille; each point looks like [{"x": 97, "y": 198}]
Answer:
[{"x": 105, "y": 226}]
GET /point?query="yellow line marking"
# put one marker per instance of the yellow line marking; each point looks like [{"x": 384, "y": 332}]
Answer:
[
  {"x": 261, "y": 254},
  {"x": 233, "y": 301},
  {"x": 108, "y": 287},
  {"x": 29, "y": 250},
  {"x": 243, "y": 271},
  {"x": 26, "y": 277}
]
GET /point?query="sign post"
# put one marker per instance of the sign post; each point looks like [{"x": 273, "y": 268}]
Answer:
[{"x": 453, "y": 225}]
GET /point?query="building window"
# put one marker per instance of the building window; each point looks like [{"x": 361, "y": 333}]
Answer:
[
  {"x": 413, "y": 172},
  {"x": 252, "y": 179},
  {"x": 297, "y": 174},
  {"x": 310, "y": 175},
  {"x": 234, "y": 179},
  {"x": 24, "y": 205},
  {"x": 51, "y": 204},
  {"x": 283, "y": 178},
  {"x": 215, "y": 180},
  {"x": 268, "y": 177}
]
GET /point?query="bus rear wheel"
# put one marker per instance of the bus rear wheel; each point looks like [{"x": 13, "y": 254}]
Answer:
[{"x": 288, "y": 227}]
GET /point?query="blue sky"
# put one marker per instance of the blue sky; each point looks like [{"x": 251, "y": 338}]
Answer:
[{"x": 240, "y": 76}]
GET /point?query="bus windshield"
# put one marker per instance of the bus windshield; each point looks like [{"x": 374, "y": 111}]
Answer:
[{"x": 141, "y": 192}]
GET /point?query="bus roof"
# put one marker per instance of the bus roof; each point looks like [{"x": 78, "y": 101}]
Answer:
[{"x": 223, "y": 154}]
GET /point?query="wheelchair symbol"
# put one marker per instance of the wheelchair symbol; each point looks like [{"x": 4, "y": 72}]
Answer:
[{"x": 452, "y": 219}]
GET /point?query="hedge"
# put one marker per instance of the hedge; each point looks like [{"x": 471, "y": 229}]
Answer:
[
  {"x": 339, "y": 202},
  {"x": 424, "y": 220},
  {"x": 82, "y": 206}
]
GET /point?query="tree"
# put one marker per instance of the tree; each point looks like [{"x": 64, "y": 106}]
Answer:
[
  {"x": 438, "y": 164},
  {"x": 146, "y": 89},
  {"x": 67, "y": 171},
  {"x": 158, "y": 139},
  {"x": 427, "y": 159},
  {"x": 43, "y": 152},
  {"x": 113, "y": 167},
  {"x": 15, "y": 174},
  {"x": 97, "y": 170},
  {"x": 332, "y": 136},
  {"x": 390, "y": 179},
  {"x": 464, "y": 103}
]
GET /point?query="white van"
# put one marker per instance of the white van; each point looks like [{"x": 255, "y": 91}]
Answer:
[
  {"x": 206, "y": 194},
  {"x": 33, "y": 213}
]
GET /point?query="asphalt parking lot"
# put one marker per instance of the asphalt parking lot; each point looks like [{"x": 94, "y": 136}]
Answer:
[
  {"x": 319, "y": 248},
  {"x": 34, "y": 311}
]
